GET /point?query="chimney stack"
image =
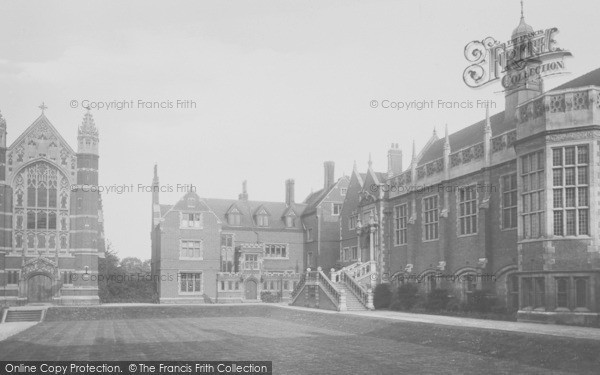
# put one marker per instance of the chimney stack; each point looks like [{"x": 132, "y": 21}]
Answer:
[
  {"x": 289, "y": 191},
  {"x": 329, "y": 173},
  {"x": 244, "y": 195},
  {"x": 394, "y": 160}
]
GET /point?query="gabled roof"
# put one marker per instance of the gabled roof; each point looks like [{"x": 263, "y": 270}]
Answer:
[
  {"x": 164, "y": 208},
  {"x": 220, "y": 207},
  {"x": 262, "y": 208},
  {"x": 42, "y": 120},
  {"x": 314, "y": 199},
  {"x": 184, "y": 204}
]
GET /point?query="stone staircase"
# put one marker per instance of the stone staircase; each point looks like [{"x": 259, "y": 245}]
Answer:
[
  {"x": 29, "y": 314},
  {"x": 352, "y": 303}
]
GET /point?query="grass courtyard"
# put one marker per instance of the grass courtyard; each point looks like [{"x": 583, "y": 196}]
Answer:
[{"x": 298, "y": 342}]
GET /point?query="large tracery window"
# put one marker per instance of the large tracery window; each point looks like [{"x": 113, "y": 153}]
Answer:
[{"x": 41, "y": 210}]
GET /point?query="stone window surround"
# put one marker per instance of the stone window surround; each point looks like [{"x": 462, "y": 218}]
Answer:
[{"x": 186, "y": 271}]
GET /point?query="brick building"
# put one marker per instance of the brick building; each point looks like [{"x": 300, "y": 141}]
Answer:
[
  {"x": 504, "y": 205},
  {"x": 321, "y": 220},
  {"x": 51, "y": 221},
  {"x": 226, "y": 250}
]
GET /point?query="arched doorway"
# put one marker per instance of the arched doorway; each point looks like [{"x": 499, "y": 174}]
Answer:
[
  {"x": 251, "y": 289},
  {"x": 39, "y": 289}
]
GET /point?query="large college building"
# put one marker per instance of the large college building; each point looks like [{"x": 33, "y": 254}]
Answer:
[
  {"x": 51, "y": 226},
  {"x": 507, "y": 205},
  {"x": 235, "y": 250}
]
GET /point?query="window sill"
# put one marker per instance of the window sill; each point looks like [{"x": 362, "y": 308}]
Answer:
[
  {"x": 276, "y": 258},
  {"x": 191, "y": 293},
  {"x": 562, "y": 238},
  {"x": 191, "y": 228},
  {"x": 581, "y": 310},
  {"x": 466, "y": 235}
]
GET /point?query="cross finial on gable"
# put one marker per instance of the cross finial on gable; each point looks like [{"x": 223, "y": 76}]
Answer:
[{"x": 43, "y": 107}]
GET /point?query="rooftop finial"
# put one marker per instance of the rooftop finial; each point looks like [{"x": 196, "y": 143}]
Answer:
[
  {"x": 43, "y": 107},
  {"x": 522, "y": 16},
  {"x": 370, "y": 161}
]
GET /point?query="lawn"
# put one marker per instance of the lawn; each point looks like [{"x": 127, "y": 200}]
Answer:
[{"x": 298, "y": 342}]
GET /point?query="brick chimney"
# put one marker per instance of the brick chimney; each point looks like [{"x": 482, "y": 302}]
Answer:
[
  {"x": 244, "y": 195},
  {"x": 329, "y": 173},
  {"x": 289, "y": 191},
  {"x": 394, "y": 160}
]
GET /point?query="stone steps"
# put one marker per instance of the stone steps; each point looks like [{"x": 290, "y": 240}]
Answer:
[
  {"x": 24, "y": 315},
  {"x": 352, "y": 303}
]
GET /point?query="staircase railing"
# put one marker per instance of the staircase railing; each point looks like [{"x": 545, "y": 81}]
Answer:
[
  {"x": 329, "y": 287},
  {"x": 298, "y": 288},
  {"x": 338, "y": 297},
  {"x": 365, "y": 296},
  {"x": 358, "y": 270},
  {"x": 362, "y": 270}
]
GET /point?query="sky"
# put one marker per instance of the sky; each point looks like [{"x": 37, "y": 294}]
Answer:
[{"x": 273, "y": 88}]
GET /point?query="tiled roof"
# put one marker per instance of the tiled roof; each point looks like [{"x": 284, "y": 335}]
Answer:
[
  {"x": 589, "y": 79},
  {"x": 468, "y": 136},
  {"x": 248, "y": 209},
  {"x": 164, "y": 208},
  {"x": 313, "y": 199},
  {"x": 473, "y": 134}
]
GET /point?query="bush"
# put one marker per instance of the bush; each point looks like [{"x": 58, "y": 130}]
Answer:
[
  {"x": 269, "y": 297},
  {"x": 454, "y": 305},
  {"x": 481, "y": 301},
  {"x": 437, "y": 300},
  {"x": 405, "y": 298},
  {"x": 382, "y": 296}
]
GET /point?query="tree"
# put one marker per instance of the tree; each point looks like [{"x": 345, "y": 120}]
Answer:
[{"x": 125, "y": 280}]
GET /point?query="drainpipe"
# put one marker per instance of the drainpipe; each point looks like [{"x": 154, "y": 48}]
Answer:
[{"x": 319, "y": 213}]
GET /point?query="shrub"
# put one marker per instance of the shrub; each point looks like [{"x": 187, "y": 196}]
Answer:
[
  {"x": 437, "y": 300},
  {"x": 481, "y": 301},
  {"x": 269, "y": 297},
  {"x": 405, "y": 298},
  {"x": 454, "y": 305},
  {"x": 382, "y": 296}
]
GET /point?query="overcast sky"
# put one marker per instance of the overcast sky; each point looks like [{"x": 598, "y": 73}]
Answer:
[{"x": 279, "y": 86}]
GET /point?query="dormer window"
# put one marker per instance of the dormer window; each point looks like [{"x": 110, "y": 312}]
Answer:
[
  {"x": 234, "y": 218},
  {"x": 191, "y": 202},
  {"x": 343, "y": 192},
  {"x": 262, "y": 218},
  {"x": 191, "y": 220},
  {"x": 290, "y": 221}
]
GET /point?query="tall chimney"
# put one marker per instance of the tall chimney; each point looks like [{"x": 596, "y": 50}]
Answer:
[
  {"x": 394, "y": 160},
  {"x": 289, "y": 191},
  {"x": 329, "y": 173},
  {"x": 244, "y": 195}
]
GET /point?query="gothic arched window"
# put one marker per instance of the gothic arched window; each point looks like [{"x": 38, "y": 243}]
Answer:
[{"x": 38, "y": 189}]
